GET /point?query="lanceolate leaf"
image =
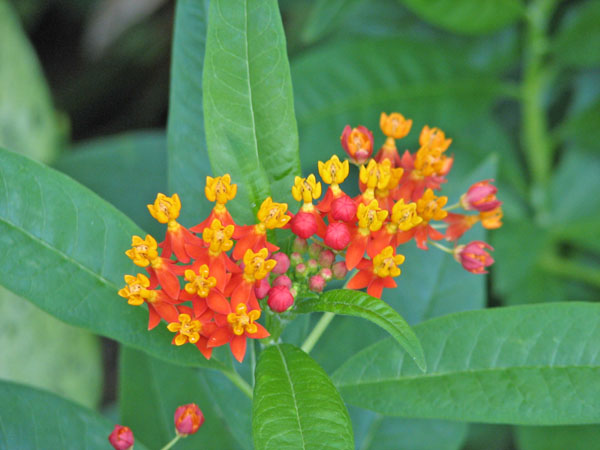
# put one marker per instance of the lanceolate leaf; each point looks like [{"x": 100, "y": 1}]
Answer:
[
  {"x": 62, "y": 248},
  {"x": 296, "y": 405},
  {"x": 248, "y": 105},
  {"x": 34, "y": 419},
  {"x": 522, "y": 365},
  {"x": 185, "y": 131},
  {"x": 355, "y": 303},
  {"x": 467, "y": 16}
]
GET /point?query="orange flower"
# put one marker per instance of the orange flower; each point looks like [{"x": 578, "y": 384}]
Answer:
[
  {"x": 357, "y": 143},
  {"x": 192, "y": 331},
  {"x": 378, "y": 273}
]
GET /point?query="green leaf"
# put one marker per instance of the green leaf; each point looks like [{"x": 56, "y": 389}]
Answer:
[
  {"x": 467, "y": 16},
  {"x": 296, "y": 405},
  {"x": 576, "y": 43},
  {"x": 187, "y": 155},
  {"x": 150, "y": 390},
  {"x": 248, "y": 105},
  {"x": 324, "y": 16},
  {"x": 36, "y": 419},
  {"x": 581, "y": 129},
  {"x": 355, "y": 303},
  {"x": 534, "y": 364},
  {"x": 63, "y": 249},
  {"x": 583, "y": 437},
  {"x": 136, "y": 160},
  {"x": 27, "y": 120}
]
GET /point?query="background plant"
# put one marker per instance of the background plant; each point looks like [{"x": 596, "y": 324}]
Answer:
[{"x": 518, "y": 83}]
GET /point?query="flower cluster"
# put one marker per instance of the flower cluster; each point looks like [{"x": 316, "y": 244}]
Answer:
[{"x": 218, "y": 263}]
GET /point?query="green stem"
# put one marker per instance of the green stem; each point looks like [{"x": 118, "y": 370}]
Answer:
[
  {"x": 441, "y": 247},
  {"x": 535, "y": 134},
  {"x": 317, "y": 331},
  {"x": 236, "y": 379},
  {"x": 172, "y": 442},
  {"x": 569, "y": 269}
]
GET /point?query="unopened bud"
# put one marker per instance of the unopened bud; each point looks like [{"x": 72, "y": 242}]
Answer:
[
  {"x": 312, "y": 265},
  {"x": 315, "y": 250},
  {"x": 304, "y": 225},
  {"x": 296, "y": 258},
  {"x": 343, "y": 208},
  {"x": 326, "y": 258},
  {"x": 263, "y": 288},
  {"x": 301, "y": 269},
  {"x": 282, "y": 280},
  {"x": 326, "y": 273},
  {"x": 283, "y": 262},
  {"x": 280, "y": 298},
  {"x": 339, "y": 270},
  {"x": 337, "y": 235},
  {"x": 316, "y": 283},
  {"x": 188, "y": 419},
  {"x": 121, "y": 438},
  {"x": 300, "y": 245}
]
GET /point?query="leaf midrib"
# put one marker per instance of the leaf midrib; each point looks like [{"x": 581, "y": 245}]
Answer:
[{"x": 287, "y": 372}]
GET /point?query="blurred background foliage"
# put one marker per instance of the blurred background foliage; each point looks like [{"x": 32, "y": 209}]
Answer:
[{"x": 84, "y": 86}]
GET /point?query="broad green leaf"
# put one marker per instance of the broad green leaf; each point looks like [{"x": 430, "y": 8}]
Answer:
[
  {"x": 47, "y": 353},
  {"x": 136, "y": 160},
  {"x": 324, "y": 16},
  {"x": 577, "y": 41},
  {"x": 582, "y": 437},
  {"x": 581, "y": 128},
  {"x": 467, "y": 16},
  {"x": 27, "y": 119},
  {"x": 248, "y": 105},
  {"x": 534, "y": 364},
  {"x": 33, "y": 419},
  {"x": 62, "y": 248},
  {"x": 150, "y": 390},
  {"x": 488, "y": 436},
  {"x": 187, "y": 144},
  {"x": 360, "y": 304},
  {"x": 296, "y": 405}
]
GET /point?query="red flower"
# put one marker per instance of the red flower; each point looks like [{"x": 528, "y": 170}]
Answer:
[
  {"x": 377, "y": 273},
  {"x": 337, "y": 236},
  {"x": 280, "y": 298},
  {"x": 188, "y": 419},
  {"x": 481, "y": 196},
  {"x": 474, "y": 256},
  {"x": 357, "y": 143},
  {"x": 121, "y": 438},
  {"x": 459, "y": 224},
  {"x": 304, "y": 224}
]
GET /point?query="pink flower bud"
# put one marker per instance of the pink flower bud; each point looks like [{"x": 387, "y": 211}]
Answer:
[
  {"x": 300, "y": 245},
  {"x": 296, "y": 258},
  {"x": 121, "y": 438},
  {"x": 316, "y": 283},
  {"x": 337, "y": 235},
  {"x": 304, "y": 225},
  {"x": 312, "y": 265},
  {"x": 357, "y": 143},
  {"x": 282, "y": 280},
  {"x": 481, "y": 196},
  {"x": 343, "y": 208},
  {"x": 301, "y": 268},
  {"x": 280, "y": 298},
  {"x": 326, "y": 258},
  {"x": 283, "y": 262},
  {"x": 188, "y": 419},
  {"x": 263, "y": 288},
  {"x": 326, "y": 273},
  {"x": 315, "y": 250},
  {"x": 339, "y": 270},
  {"x": 474, "y": 256}
]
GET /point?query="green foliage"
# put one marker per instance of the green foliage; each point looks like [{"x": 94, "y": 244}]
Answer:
[
  {"x": 582, "y": 437},
  {"x": 324, "y": 16},
  {"x": 520, "y": 365},
  {"x": 36, "y": 419},
  {"x": 248, "y": 104},
  {"x": 296, "y": 405},
  {"x": 576, "y": 43},
  {"x": 359, "y": 304}
]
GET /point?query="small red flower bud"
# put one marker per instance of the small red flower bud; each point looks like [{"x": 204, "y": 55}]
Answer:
[
  {"x": 301, "y": 268},
  {"x": 339, "y": 270},
  {"x": 357, "y": 143},
  {"x": 326, "y": 273},
  {"x": 263, "y": 288},
  {"x": 283, "y": 262},
  {"x": 188, "y": 419},
  {"x": 280, "y": 298},
  {"x": 300, "y": 245},
  {"x": 316, "y": 283},
  {"x": 326, "y": 258},
  {"x": 481, "y": 196},
  {"x": 343, "y": 208},
  {"x": 304, "y": 225},
  {"x": 312, "y": 265},
  {"x": 121, "y": 438},
  {"x": 315, "y": 250},
  {"x": 474, "y": 256},
  {"x": 337, "y": 236},
  {"x": 282, "y": 280},
  {"x": 296, "y": 258}
]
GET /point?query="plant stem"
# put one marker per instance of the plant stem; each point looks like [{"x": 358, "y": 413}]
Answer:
[
  {"x": 535, "y": 135},
  {"x": 236, "y": 379},
  {"x": 569, "y": 269},
  {"x": 317, "y": 331},
  {"x": 172, "y": 442},
  {"x": 441, "y": 247}
]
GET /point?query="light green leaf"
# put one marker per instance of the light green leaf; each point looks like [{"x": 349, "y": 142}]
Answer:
[
  {"x": 324, "y": 16},
  {"x": 33, "y": 419},
  {"x": 577, "y": 41},
  {"x": 248, "y": 105},
  {"x": 467, "y": 16},
  {"x": 355, "y": 303},
  {"x": 582, "y": 437},
  {"x": 27, "y": 119},
  {"x": 187, "y": 144},
  {"x": 63, "y": 249},
  {"x": 534, "y": 364},
  {"x": 581, "y": 128},
  {"x": 150, "y": 390},
  {"x": 296, "y": 405}
]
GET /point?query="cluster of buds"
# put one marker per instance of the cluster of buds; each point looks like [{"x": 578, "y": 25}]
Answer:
[
  {"x": 220, "y": 265},
  {"x": 188, "y": 420}
]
